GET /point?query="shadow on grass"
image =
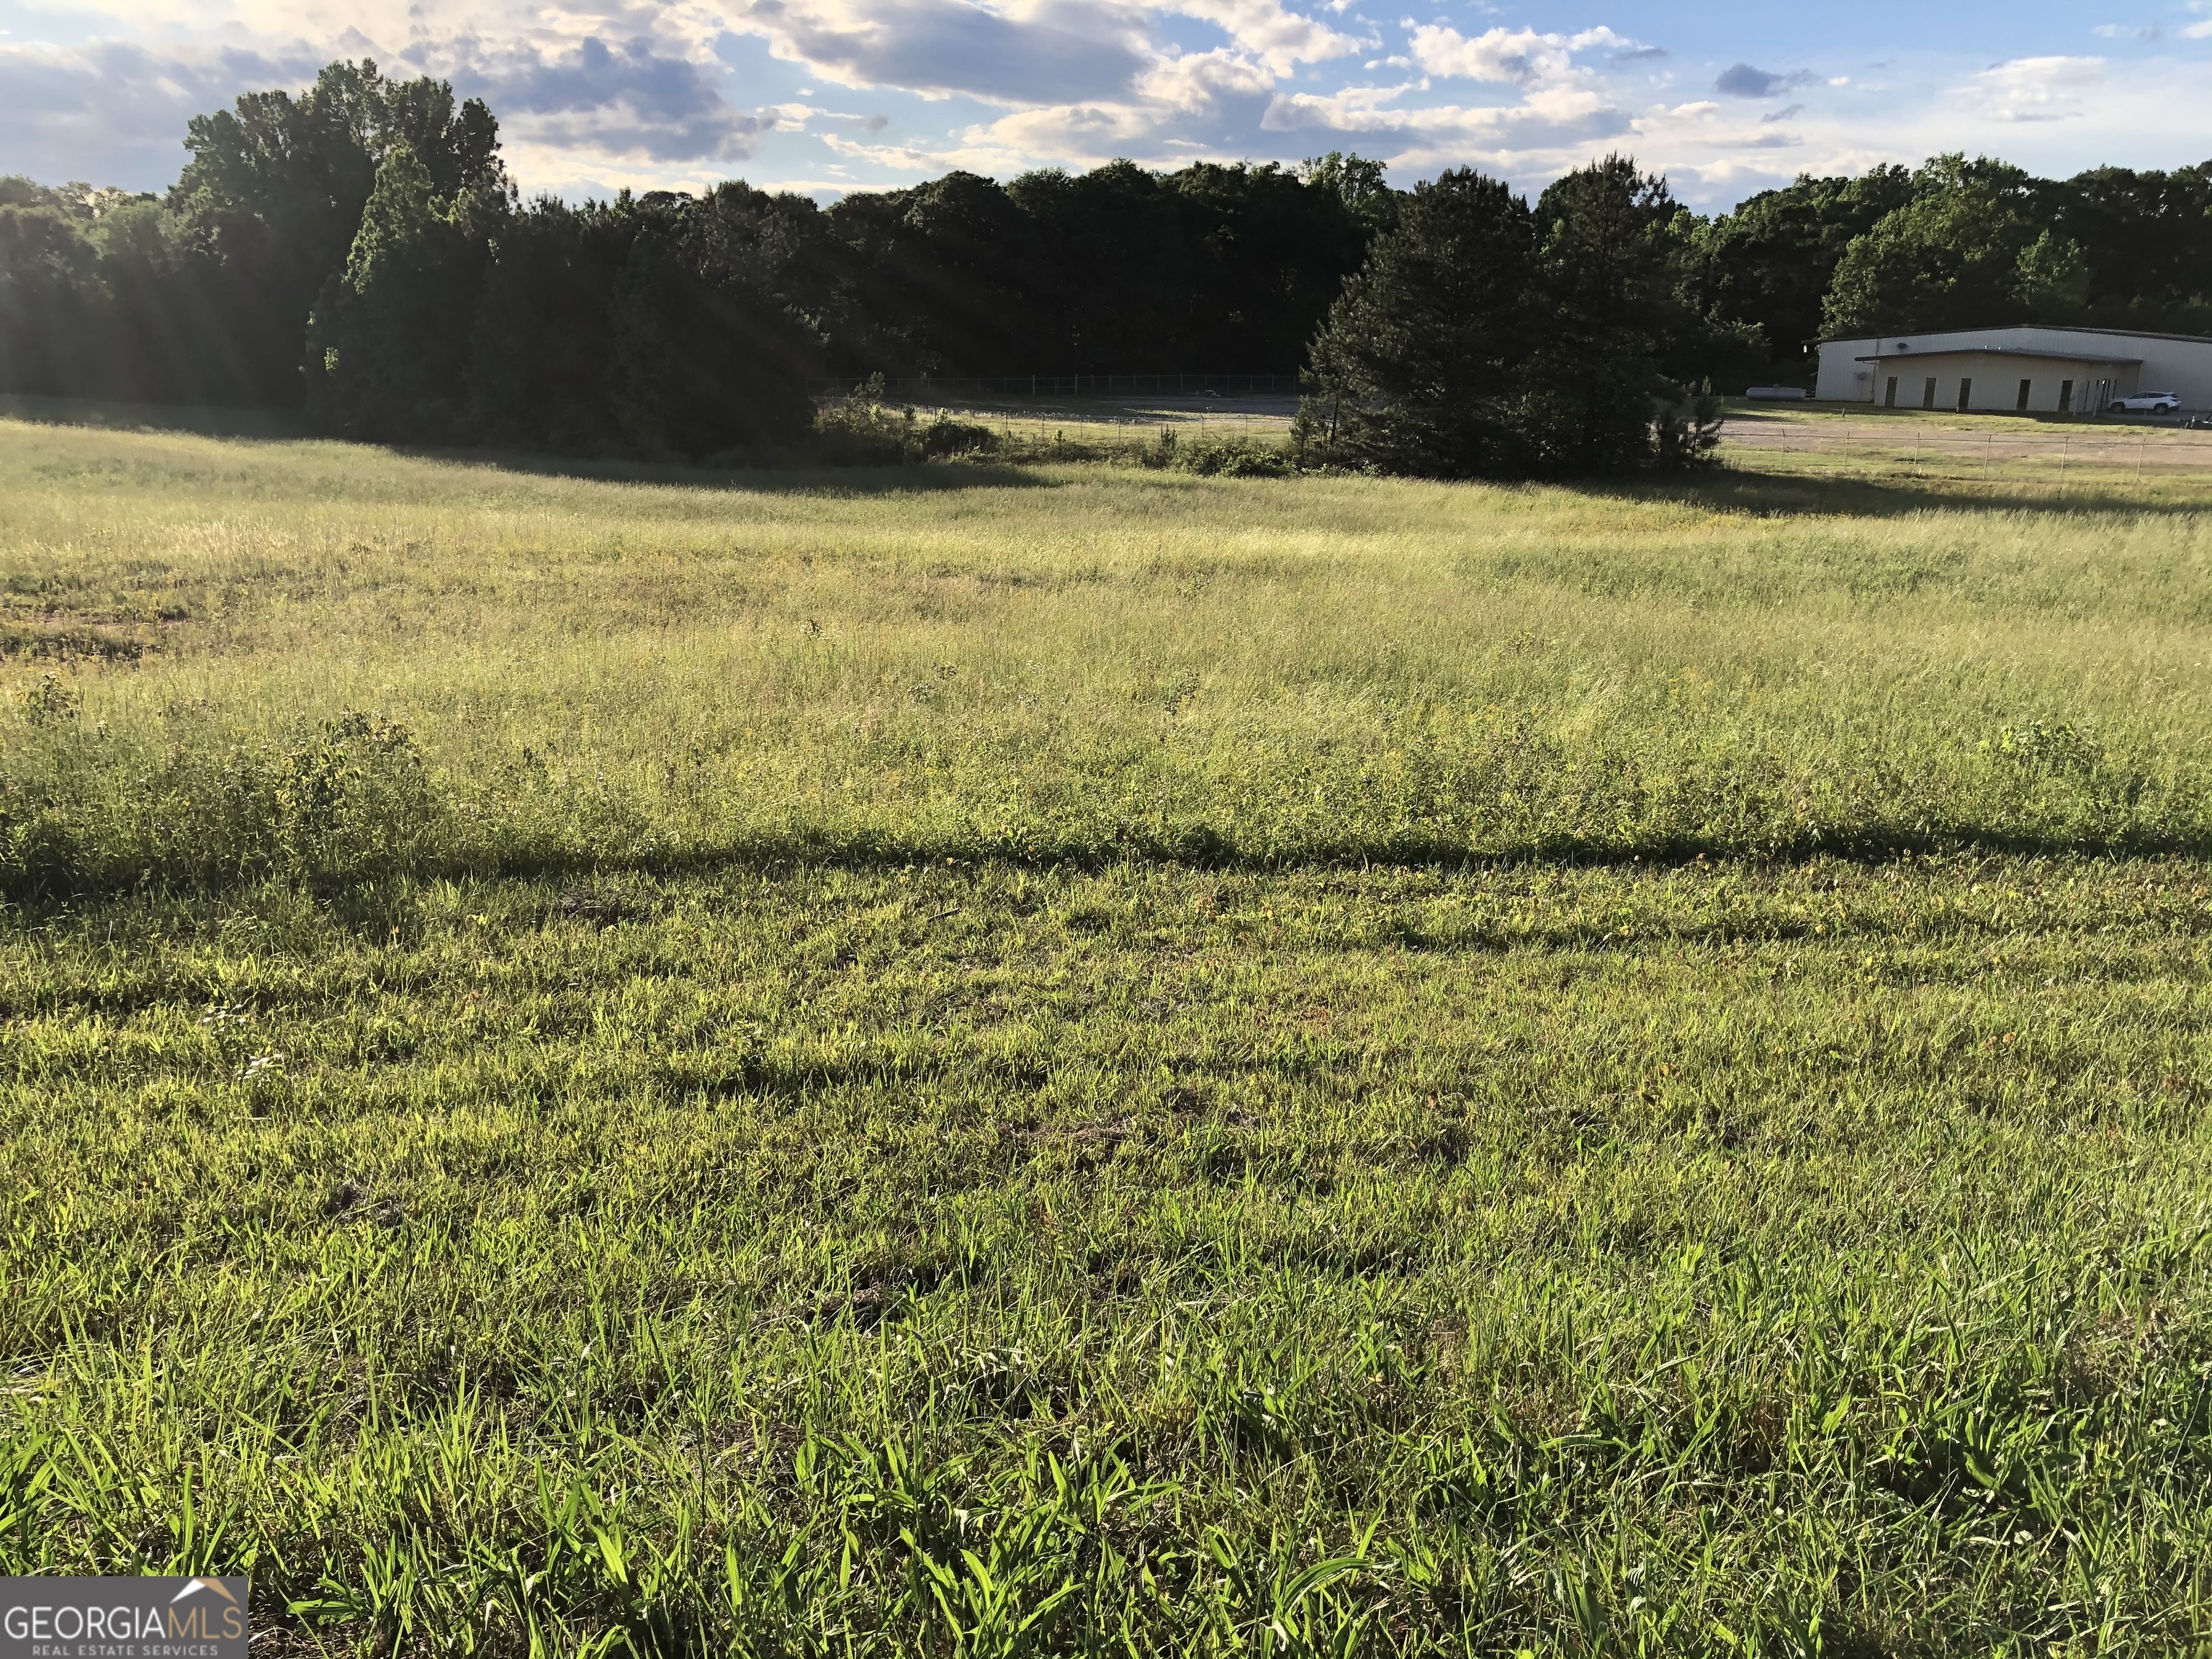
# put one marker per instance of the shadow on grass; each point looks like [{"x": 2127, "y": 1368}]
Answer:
[
  {"x": 30, "y": 896},
  {"x": 791, "y": 477},
  {"x": 118, "y": 415},
  {"x": 1735, "y": 487},
  {"x": 1743, "y": 489},
  {"x": 793, "y": 473}
]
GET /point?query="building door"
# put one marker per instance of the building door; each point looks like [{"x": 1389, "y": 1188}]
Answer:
[
  {"x": 1890, "y": 400},
  {"x": 2026, "y": 386},
  {"x": 2066, "y": 397},
  {"x": 1966, "y": 391},
  {"x": 1928, "y": 395}
]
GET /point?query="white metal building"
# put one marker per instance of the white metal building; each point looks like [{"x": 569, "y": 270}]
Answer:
[{"x": 2030, "y": 368}]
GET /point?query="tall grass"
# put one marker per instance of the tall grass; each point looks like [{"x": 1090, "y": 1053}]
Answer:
[{"x": 1073, "y": 663}]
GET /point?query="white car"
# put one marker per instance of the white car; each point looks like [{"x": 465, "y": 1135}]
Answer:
[{"x": 2153, "y": 403}]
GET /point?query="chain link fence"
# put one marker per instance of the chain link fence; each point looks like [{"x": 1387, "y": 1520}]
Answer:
[{"x": 930, "y": 390}]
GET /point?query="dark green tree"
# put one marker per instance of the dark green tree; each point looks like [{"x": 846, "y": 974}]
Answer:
[
  {"x": 1485, "y": 339},
  {"x": 1951, "y": 257},
  {"x": 1421, "y": 364},
  {"x": 1272, "y": 250},
  {"x": 162, "y": 337},
  {"x": 388, "y": 343},
  {"x": 1359, "y": 183},
  {"x": 1611, "y": 242},
  {"x": 2131, "y": 250},
  {"x": 275, "y": 190},
  {"x": 708, "y": 359},
  {"x": 541, "y": 353},
  {"x": 1114, "y": 273},
  {"x": 946, "y": 275},
  {"x": 53, "y": 304},
  {"x": 1769, "y": 264}
]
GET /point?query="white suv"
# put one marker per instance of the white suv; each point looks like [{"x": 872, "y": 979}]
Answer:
[{"x": 2154, "y": 403}]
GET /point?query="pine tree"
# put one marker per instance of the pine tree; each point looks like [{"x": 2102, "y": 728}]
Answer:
[
  {"x": 1419, "y": 363},
  {"x": 1607, "y": 292}
]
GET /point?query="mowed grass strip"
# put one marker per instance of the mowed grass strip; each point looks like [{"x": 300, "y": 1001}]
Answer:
[{"x": 1811, "y": 1257}]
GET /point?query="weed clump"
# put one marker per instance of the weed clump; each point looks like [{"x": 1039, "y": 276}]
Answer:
[
  {"x": 1225, "y": 458},
  {"x": 350, "y": 801},
  {"x": 862, "y": 431},
  {"x": 50, "y": 701}
]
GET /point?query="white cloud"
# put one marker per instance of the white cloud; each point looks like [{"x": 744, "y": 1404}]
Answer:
[
  {"x": 903, "y": 158},
  {"x": 1042, "y": 54},
  {"x": 594, "y": 93},
  {"x": 1551, "y": 131},
  {"x": 633, "y": 87},
  {"x": 1518, "y": 57},
  {"x": 114, "y": 110},
  {"x": 1166, "y": 110},
  {"x": 2035, "y": 89},
  {"x": 633, "y": 101},
  {"x": 1280, "y": 39},
  {"x": 1199, "y": 79}
]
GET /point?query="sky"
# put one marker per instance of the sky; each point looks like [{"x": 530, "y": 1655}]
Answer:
[{"x": 1726, "y": 97}]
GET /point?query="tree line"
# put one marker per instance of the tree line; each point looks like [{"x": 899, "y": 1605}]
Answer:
[{"x": 357, "y": 250}]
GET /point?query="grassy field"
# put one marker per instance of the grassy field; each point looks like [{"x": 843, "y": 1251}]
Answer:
[
  {"x": 1072, "y": 1059},
  {"x": 2042, "y": 459}
]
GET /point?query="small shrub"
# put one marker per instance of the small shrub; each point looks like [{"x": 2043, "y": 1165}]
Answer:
[
  {"x": 2051, "y": 746},
  {"x": 354, "y": 802},
  {"x": 860, "y": 430},
  {"x": 945, "y": 436},
  {"x": 1238, "y": 459},
  {"x": 1686, "y": 434},
  {"x": 350, "y": 804},
  {"x": 50, "y": 701},
  {"x": 1232, "y": 457}
]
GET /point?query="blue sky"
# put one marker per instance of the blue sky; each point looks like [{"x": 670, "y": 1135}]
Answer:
[{"x": 1725, "y": 97}]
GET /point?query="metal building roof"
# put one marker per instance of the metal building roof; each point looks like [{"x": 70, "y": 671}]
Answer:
[
  {"x": 2048, "y": 328},
  {"x": 1996, "y": 352}
]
